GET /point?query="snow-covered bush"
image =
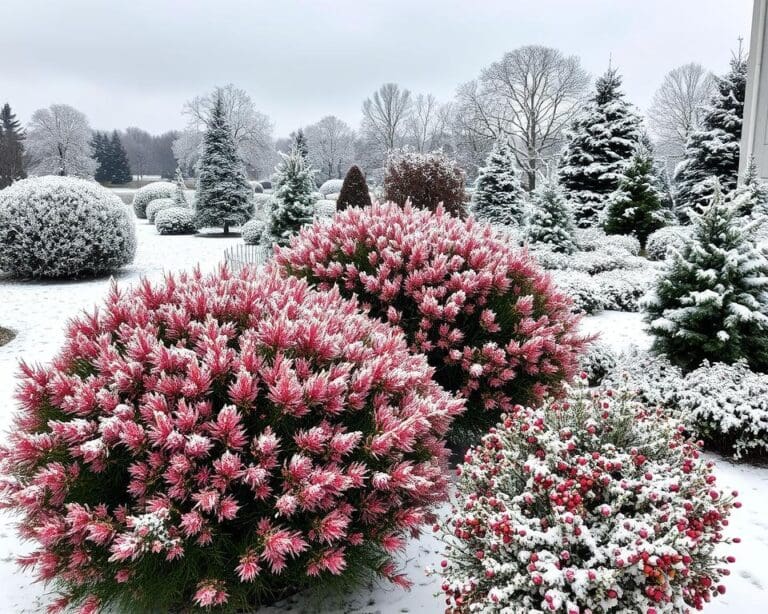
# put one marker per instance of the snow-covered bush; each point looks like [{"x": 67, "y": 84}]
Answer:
[
  {"x": 175, "y": 221},
  {"x": 652, "y": 377},
  {"x": 426, "y": 180},
  {"x": 262, "y": 202},
  {"x": 257, "y": 188},
  {"x": 158, "y": 205},
  {"x": 493, "y": 324},
  {"x": 598, "y": 504},
  {"x": 325, "y": 208},
  {"x": 582, "y": 288},
  {"x": 663, "y": 239},
  {"x": 595, "y": 239},
  {"x": 330, "y": 187},
  {"x": 253, "y": 231},
  {"x": 609, "y": 258},
  {"x": 62, "y": 227},
  {"x": 624, "y": 290},
  {"x": 597, "y": 361},
  {"x": 145, "y": 195},
  {"x": 727, "y": 406},
  {"x": 215, "y": 441}
]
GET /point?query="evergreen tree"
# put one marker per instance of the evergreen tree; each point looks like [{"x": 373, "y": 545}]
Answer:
[
  {"x": 636, "y": 207},
  {"x": 300, "y": 144},
  {"x": 179, "y": 195},
  {"x": 551, "y": 221},
  {"x": 120, "y": 170},
  {"x": 101, "y": 153},
  {"x": 751, "y": 197},
  {"x": 711, "y": 302},
  {"x": 599, "y": 147},
  {"x": 223, "y": 197},
  {"x": 499, "y": 197},
  {"x": 11, "y": 148},
  {"x": 293, "y": 204},
  {"x": 713, "y": 151},
  {"x": 354, "y": 190}
]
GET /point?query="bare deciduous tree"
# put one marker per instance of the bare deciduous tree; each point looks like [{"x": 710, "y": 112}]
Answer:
[
  {"x": 427, "y": 123},
  {"x": 251, "y": 129},
  {"x": 530, "y": 96},
  {"x": 385, "y": 117},
  {"x": 59, "y": 142},
  {"x": 331, "y": 146},
  {"x": 678, "y": 108}
]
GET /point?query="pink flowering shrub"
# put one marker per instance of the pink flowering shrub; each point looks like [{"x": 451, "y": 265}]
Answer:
[
  {"x": 216, "y": 441},
  {"x": 492, "y": 323},
  {"x": 593, "y": 504}
]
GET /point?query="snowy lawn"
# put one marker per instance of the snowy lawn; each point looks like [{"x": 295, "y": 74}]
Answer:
[{"x": 39, "y": 311}]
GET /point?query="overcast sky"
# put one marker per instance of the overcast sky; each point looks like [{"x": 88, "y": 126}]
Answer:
[{"x": 134, "y": 63}]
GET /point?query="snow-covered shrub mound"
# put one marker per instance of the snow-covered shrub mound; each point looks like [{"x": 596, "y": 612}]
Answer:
[
  {"x": 727, "y": 406},
  {"x": 582, "y": 288},
  {"x": 625, "y": 242},
  {"x": 262, "y": 202},
  {"x": 596, "y": 505},
  {"x": 652, "y": 377},
  {"x": 330, "y": 187},
  {"x": 597, "y": 361},
  {"x": 145, "y": 195},
  {"x": 257, "y": 187},
  {"x": 492, "y": 323},
  {"x": 608, "y": 258},
  {"x": 623, "y": 290},
  {"x": 660, "y": 241},
  {"x": 325, "y": 208},
  {"x": 62, "y": 227},
  {"x": 175, "y": 221},
  {"x": 595, "y": 239},
  {"x": 214, "y": 441},
  {"x": 253, "y": 231},
  {"x": 158, "y": 205}
]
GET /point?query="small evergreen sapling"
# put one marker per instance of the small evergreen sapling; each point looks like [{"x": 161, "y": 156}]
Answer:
[
  {"x": 499, "y": 197},
  {"x": 179, "y": 196},
  {"x": 751, "y": 197},
  {"x": 293, "y": 202},
  {"x": 551, "y": 221},
  {"x": 354, "y": 190},
  {"x": 223, "y": 197},
  {"x": 635, "y": 207},
  {"x": 711, "y": 303}
]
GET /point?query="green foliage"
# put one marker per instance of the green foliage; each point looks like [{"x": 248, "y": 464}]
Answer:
[
  {"x": 11, "y": 148},
  {"x": 293, "y": 202},
  {"x": 112, "y": 158},
  {"x": 179, "y": 196},
  {"x": 711, "y": 302},
  {"x": 551, "y": 221},
  {"x": 499, "y": 197}
]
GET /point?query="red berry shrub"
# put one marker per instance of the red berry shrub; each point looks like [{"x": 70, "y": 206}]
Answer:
[
  {"x": 426, "y": 179},
  {"x": 593, "y": 504},
  {"x": 214, "y": 440},
  {"x": 490, "y": 321}
]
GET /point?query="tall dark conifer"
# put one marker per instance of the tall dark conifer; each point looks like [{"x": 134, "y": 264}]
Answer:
[
  {"x": 120, "y": 170},
  {"x": 101, "y": 153},
  {"x": 11, "y": 148}
]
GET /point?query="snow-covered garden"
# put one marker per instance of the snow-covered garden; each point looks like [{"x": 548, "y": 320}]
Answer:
[{"x": 422, "y": 384}]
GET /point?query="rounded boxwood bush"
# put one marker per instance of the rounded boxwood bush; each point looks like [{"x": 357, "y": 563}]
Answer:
[
  {"x": 257, "y": 187},
  {"x": 331, "y": 186},
  {"x": 62, "y": 227},
  {"x": 491, "y": 322},
  {"x": 158, "y": 205},
  {"x": 663, "y": 239},
  {"x": 597, "y": 504},
  {"x": 253, "y": 232},
  {"x": 216, "y": 441},
  {"x": 175, "y": 221},
  {"x": 145, "y": 195}
]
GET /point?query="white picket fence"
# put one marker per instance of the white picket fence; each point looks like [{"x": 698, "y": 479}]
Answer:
[{"x": 238, "y": 257}]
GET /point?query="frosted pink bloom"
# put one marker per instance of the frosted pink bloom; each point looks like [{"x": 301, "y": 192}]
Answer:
[
  {"x": 248, "y": 567},
  {"x": 210, "y": 593}
]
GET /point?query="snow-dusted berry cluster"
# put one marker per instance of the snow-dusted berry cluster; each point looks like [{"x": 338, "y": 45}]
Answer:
[
  {"x": 595, "y": 504},
  {"x": 63, "y": 228},
  {"x": 175, "y": 221},
  {"x": 230, "y": 436},
  {"x": 148, "y": 193},
  {"x": 491, "y": 322}
]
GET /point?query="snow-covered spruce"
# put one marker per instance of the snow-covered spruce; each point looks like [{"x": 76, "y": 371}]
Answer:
[
  {"x": 63, "y": 228},
  {"x": 599, "y": 147},
  {"x": 751, "y": 197},
  {"x": 597, "y": 361},
  {"x": 492, "y": 323},
  {"x": 551, "y": 222},
  {"x": 175, "y": 221},
  {"x": 253, "y": 232},
  {"x": 711, "y": 301},
  {"x": 214, "y": 441},
  {"x": 145, "y": 195},
  {"x": 426, "y": 180},
  {"x": 332, "y": 186},
  {"x": 727, "y": 406},
  {"x": 293, "y": 203},
  {"x": 158, "y": 205},
  {"x": 670, "y": 237},
  {"x": 595, "y": 504},
  {"x": 499, "y": 197}
]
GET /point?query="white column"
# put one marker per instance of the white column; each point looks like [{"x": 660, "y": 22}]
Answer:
[{"x": 754, "y": 137}]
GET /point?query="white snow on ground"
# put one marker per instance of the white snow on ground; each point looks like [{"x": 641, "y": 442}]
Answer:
[{"x": 39, "y": 311}]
